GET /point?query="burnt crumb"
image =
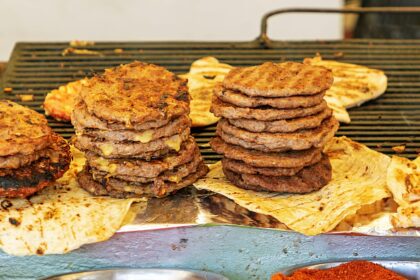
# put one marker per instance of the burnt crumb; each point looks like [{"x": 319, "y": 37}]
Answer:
[
  {"x": 183, "y": 240},
  {"x": 14, "y": 221},
  {"x": 39, "y": 251},
  {"x": 182, "y": 96},
  {"x": 5, "y": 204},
  {"x": 209, "y": 77}
]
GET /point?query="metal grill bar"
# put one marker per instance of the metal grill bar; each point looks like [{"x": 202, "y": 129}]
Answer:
[{"x": 393, "y": 119}]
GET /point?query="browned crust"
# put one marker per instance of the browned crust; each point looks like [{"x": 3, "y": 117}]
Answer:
[
  {"x": 310, "y": 178},
  {"x": 136, "y": 93},
  {"x": 290, "y": 102},
  {"x": 151, "y": 168},
  {"x": 288, "y": 159},
  {"x": 22, "y": 130},
  {"x": 290, "y": 125},
  {"x": 29, "y": 179},
  {"x": 81, "y": 118},
  {"x": 120, "y": 189},
  {"x": 278, "y": 142},
  {"x": 176, "y": 126},
  {"x": 279, "y": 79},
  {"x": 230, "y": 111},
  {"x": 127, "y": 149}
]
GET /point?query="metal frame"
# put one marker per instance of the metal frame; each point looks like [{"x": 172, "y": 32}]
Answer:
[{"x": 266, "y": 41}]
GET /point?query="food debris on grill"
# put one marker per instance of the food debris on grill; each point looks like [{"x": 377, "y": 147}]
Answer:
[
  {"x": 399, "y": 149},
  {"x": 69, "y": 51}
]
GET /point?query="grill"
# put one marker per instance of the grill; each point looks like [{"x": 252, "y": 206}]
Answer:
[{"x": 391, "y": 120}]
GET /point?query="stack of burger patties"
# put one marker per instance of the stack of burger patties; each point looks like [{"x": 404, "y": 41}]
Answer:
[
  {"x": 274, "y": 126},
  {"x": 32, "y": 156},
  {"x": 132, "y": 123}
]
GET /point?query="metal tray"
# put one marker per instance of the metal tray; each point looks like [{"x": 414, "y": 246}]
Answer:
[
  {"x": 408, "y": 269},
  {"x": 139, "y": 274}
]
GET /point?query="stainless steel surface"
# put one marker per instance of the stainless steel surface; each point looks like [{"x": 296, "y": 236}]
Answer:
[
  {"x": 139, "y": 274},
  {"x": 408, "y": 269}
]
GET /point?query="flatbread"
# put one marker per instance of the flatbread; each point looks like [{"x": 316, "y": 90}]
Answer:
[
  {"x": 59, "y": 103},
  {"x": 204, "y": 75},
  {"x": 357, "y": 180},
  {"x": 353, "y": 85},
  {"x": 403, "y": 179},
  {"x": 60, "y": 218}
]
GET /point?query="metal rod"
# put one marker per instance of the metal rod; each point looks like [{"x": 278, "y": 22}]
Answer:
[{"x": 265, "y": 40}]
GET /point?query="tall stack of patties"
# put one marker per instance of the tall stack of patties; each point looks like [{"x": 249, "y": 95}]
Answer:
[
  {"x": 132, "y": 123},
  {"x": 274, "y": 126},
  {"x": 32, "y": 156}
]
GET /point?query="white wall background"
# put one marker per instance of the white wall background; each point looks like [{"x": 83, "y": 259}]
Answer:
[{"x": 106, "y": 20}]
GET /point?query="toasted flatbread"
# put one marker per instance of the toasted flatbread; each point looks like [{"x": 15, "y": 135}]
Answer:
[
  {"x": 204, "y": 75},
  {"x": 59, "y": 103},
  {"x": 357, "y": 180},
  {"x": 353, "y": 85},
  {"x": 60, "y": 218},
  {"x": 403, "y": 179}
]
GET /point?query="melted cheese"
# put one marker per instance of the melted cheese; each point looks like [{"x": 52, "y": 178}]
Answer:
[
  {"x": 144, "y": 137},
  {"x": 174, "y": 178},
  {"x": 104, "y": 165},
  {"x": 174, "y": 142},
  {"x": 106, "y": 149}
]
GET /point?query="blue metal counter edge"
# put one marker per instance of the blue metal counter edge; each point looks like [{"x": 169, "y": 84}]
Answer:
[{"x": 236, "y": 252}]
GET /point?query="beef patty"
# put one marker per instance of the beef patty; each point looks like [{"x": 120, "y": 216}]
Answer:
[
  {"x": 173, "y": 175},
  {"x": 145, "y": 168},
  {"x": 26, "y": 180},
  {"x": 310, "y": 178},
  {"x": 230, "y": 111},
  {"x": 22, "y": 130},
  {"x": 136, "y": 93},
  {"x": 289, "y": 125},
  {"x": 123, "y": 189},
  {"x": 81, "y": 118},
  {"x": 255, "y": 158},
  {"x": 279, "y": 79},
  {"x": 278, "y": 142},
  {"x": 176, "y": 126},
  {"x": 241, "y": 100}
]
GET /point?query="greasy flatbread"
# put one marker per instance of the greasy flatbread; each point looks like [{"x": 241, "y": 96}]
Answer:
[
  {"x": 279, "y": 79},
  {"x": 230, "y": 111},
  {"x": 353, "y": 85},
  {"x": 357, "y": 179},
  {"x": 278, "y": 142},
  {"x": 59, "y": 103},
  {"x": 403, "y": 179},
  {"x": 22, "y": 130},
  {"x": 60, "y": 218},
  {"x": 204, "y": 75}
]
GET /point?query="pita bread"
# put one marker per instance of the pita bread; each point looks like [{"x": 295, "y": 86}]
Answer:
[
  {"x": 204, "y": 75},
  {"x": 60, "y": 218},
  {"x": 59, "y": 103},
  {"x": 357, "y": 180},
  {"x": 353, "y": 85},
  {"x": 403, "y": 179}
]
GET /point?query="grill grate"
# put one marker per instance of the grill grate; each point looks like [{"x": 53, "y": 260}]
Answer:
[{"x": 393, "y": 119}]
